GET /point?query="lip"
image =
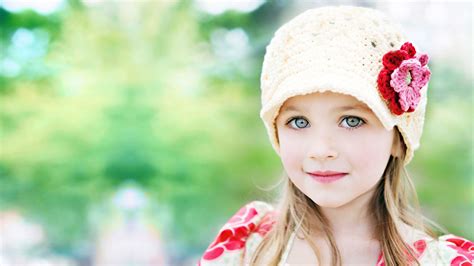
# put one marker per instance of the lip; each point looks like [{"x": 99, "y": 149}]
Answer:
[{"x": 327, "y": 176}]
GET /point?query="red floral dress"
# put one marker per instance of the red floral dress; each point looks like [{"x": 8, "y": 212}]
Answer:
[{"x": 240, "y": 236}]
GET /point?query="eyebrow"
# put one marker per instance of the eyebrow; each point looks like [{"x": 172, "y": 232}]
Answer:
[{"x": 360, "y": 107}]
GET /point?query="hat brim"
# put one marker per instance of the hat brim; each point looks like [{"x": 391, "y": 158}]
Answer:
[{"x": 321, "y": 80}]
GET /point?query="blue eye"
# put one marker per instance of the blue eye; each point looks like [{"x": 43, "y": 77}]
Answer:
[
  {"x": 353, "y": 122},
  {"x": 300, "y": 122}
]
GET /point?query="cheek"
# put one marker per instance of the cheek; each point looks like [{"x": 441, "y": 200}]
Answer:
[
  {"x": 291, "y": 152},
  {"x": 370, "y": 153},
  {"x": 288, "y": 153}
]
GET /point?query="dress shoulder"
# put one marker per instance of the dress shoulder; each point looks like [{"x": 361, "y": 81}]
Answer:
[
  {"x": 448, "y": 250},
  {"x": 240, "y": 234}
]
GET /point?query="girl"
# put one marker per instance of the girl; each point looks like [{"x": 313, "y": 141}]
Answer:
[{"x": 344, "y": 95}]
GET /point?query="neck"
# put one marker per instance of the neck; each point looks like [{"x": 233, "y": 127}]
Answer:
[{"x": 352, "y": 219}]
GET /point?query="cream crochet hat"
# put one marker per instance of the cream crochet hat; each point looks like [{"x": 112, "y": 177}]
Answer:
[{"x": 350, "y": 50}]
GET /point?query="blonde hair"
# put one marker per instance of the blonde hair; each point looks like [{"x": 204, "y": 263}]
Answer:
[{"x": 394, "y": 199}]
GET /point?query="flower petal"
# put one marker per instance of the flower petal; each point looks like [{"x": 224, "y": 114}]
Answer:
[
  {"x": 393, "y": 59},
  {"x": 403, "y": 100},
  {"x": 409, "y": 48},
  {"x": 234, "y": 244},
  {"x": 423, "y": 59},
  {"x": 213, "y": 253},
  {"x": 413, "y": 97},
  {"x": 425, "y": 77},
  {"x": 383, "y": 82},
  {"x": 398, "y": 80},
  {"x": 395, "y": 106}
]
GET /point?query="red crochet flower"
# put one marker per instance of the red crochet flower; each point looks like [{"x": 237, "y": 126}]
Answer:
[
  {"x": 393, "y": 59},
  {"x": 402, "y": 77}
]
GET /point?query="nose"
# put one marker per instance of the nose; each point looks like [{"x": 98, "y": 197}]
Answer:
[{"x": 322, "y": 147}]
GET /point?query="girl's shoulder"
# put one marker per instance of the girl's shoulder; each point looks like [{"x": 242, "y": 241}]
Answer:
[
  {"x": 240, "y": 235},
  {"x": 445, "y": 250}
]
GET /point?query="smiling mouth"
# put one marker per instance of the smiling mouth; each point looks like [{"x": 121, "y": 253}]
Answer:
[{"x": 325, "y": 177}]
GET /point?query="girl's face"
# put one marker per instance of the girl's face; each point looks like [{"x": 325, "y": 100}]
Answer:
[{"x": 332, "y": 132}]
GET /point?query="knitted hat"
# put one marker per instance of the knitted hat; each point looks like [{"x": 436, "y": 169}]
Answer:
[{"x": 352, "y": 50}]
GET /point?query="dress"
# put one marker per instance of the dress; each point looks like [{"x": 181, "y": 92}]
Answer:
[{"x": 240, "y": 236}]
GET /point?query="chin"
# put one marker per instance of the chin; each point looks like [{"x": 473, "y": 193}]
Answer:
[
  {"x": 331, "y": 205},
  {"x": 328, "y": 203}
]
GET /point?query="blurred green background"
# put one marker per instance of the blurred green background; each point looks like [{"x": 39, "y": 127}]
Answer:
[{"x": 133, "y": 124}]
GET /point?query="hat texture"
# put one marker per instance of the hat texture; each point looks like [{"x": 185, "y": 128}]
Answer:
[{"x": 351, "y": 50}]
